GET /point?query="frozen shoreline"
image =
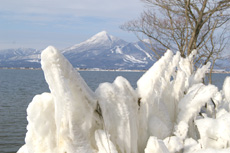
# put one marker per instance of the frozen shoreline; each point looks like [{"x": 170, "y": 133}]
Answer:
[{"x": 171, "y": 110}]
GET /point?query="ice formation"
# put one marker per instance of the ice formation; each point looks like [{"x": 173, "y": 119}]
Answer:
[{"x": 170, "y": 111}]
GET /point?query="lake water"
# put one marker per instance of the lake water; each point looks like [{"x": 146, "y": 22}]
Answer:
[{"x": 18, "y": 87}]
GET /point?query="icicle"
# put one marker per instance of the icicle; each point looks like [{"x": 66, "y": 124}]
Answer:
[
  {"x": 119, "y": 106},
  {"x": 104, "y": 143}
]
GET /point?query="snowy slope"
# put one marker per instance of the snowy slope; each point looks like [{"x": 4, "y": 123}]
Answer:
[
  {"x": 101, "y": 51},
  {"x": 108, "y": 52},
  {"x": 100, "y": 40},
  {"x": 21, "y": 57}
]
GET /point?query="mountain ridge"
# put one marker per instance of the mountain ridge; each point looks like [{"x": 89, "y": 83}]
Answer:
[
  {"x": 101, "y": 51},
  {"x": 105, "y": 51},
  {"x": 99, "y": 38}
]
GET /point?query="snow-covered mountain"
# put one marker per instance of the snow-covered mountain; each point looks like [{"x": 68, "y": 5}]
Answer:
[
  {"x": 101, "y": 51},
  {"x": 108, "y": 52},
  {"x": 21, "y": 57},
  {"x": 98, "y": 41}
]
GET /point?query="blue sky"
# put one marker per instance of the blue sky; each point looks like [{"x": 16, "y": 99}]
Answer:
[{"x": 63, "y": 23}]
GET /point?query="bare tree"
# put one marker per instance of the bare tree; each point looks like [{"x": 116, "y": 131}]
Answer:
[
  {"x": 213, "y": 49},
  {"x": 183, "y": 25}
]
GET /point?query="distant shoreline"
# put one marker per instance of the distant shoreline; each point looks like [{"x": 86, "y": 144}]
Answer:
[
  {"x": 78, "y": 69},
  {"x": 96, "y": 69}
]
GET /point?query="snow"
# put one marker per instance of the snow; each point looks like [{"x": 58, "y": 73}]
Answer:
[
  {"x": 170, "y": 111},
  {"x": 148, "y": 41},
  {"x": 218, "y": 136},
  {"x": 226, "y": 89},
  {"x": 101, "y": 38},
  {"x": 118, "y": 50},
  {"x": 103, "y": 142},
  {"x": 155, "y": 145},
  {"x": 133, "y": 59},
  {"x": 118, "y": 104},
  {"x": 146, "y": 53},
  {"x": 173, "y": 144}
]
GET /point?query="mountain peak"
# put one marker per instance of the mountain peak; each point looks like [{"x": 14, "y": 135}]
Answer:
[
  {"x": 102, "y": 33},
  {"x": 98, "y": 40},
  {"x": 101, "y": 37}
]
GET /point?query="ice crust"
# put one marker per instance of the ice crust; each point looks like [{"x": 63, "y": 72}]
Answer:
[{"x": 170, "y": 111}]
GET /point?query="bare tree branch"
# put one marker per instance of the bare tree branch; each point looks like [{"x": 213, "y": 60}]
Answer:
[{"x": 183, "y": 25}]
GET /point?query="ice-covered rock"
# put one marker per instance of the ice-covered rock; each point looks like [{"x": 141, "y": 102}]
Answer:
[
  {"x": 155, "y": 145},
  {"x": 174, "y": 143},
  {"x": 170, "y": 111},
  {"x": 214, "y": 133}
]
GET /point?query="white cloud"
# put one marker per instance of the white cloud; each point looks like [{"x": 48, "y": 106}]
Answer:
[{"x": 35, "y": 23}]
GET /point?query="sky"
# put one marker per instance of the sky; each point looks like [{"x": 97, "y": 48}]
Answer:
[{"x": 63, "y": 23}]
